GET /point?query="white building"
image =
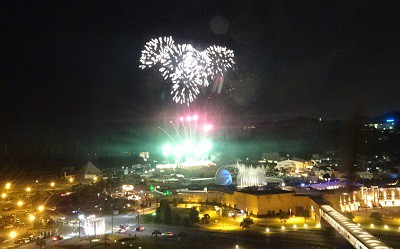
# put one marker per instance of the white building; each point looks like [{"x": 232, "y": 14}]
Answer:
[
  {"x": 291, "y": 166},
  {"x": 89, "y": 171}
]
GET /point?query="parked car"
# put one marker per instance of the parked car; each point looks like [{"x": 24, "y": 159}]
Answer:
[
  {"x": 56, "y": 238},
  {"x": 139, "y": 228}
]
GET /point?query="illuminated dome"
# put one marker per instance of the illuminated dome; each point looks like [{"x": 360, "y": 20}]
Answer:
[{"x": 223, "y": 177}]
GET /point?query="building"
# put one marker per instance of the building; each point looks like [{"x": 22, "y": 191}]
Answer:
[
  {"x": 145, "y": 155},
  {"x": 292, "y": 166},
  {"x": 89, "y": 171}
]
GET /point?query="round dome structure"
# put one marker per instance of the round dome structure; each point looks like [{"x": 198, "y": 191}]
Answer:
[{"x": 223, "y": 177}]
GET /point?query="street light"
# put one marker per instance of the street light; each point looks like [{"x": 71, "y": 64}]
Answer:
[
  {"x": 28, "y": 189},
  {"x": 41, "y": 208},
  {"x": 8, "y": 185},
  {"x": 3, "y": 195},
  {"x": 52, "y": 184},
  {"x": 95, "y": 178},
  {"x": 20, "y": 203},
  {"x": 71, "y": 180},
  {"x": 13, "y": 234},
  {"x": 31, "y": 218}
]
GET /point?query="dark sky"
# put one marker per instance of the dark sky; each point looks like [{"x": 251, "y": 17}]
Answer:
[{"x": 77, "y": 61}]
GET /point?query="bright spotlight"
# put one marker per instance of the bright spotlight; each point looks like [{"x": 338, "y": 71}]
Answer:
[
  {"x": 166, "y": 150},
  {"x": 207, "y": 127}
]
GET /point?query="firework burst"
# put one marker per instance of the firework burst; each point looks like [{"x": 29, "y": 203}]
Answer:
[{"x": 186, "y": 67}]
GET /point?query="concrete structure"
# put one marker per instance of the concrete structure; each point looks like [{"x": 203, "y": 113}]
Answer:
[
  {"x": 293, "y": 166},
  {"x": 255, "y": 203},
  {"x": 373, "y": 197},
  {"x": 266, "y": 202},
  {"x": 357, "y": 236},
  {"x": 89, "y": 171}
]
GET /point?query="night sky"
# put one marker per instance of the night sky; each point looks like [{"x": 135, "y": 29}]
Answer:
[{"x": 74, "y": 63}]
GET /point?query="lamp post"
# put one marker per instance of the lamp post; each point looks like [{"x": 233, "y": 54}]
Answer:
[
  {"x": 13, "y": 234},
  {"x": 112, "y": 218}
]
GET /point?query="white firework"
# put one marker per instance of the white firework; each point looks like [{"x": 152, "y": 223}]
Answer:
[
  {"x": 184, "y": 92},
  {"x": 186, "y": 67},
  {"x": 220, "y": 59},
  {"x": 156, "y": 51}
]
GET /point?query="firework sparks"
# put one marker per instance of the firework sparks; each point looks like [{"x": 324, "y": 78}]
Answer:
[
  {"x": 220, "y": 59},
  {"x": 189, "y": 139},
  {"x": 186, "y": 67}
]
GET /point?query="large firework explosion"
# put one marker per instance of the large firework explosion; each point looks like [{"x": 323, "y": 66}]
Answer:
[{"x": 186, "y": 67}]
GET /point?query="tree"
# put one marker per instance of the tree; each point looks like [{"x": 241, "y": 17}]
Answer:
[
  {"x": 156, "y": 233},
  {"x": 193, "y": 216},
  {"x": 246, "y": 223},
  {"x": 205, "y": 219},
  {"x": 163, "y": 213},
  {"x": 376, "y": 216},
  {"x": 283, "y": 216},
  {"x": 175, "y": 202},
  {"x": 306, "y": 216},
  {"x": 349, "y": 215}
]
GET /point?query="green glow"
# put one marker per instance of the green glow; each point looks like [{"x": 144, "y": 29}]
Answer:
[{"x": 166, "y": 150}]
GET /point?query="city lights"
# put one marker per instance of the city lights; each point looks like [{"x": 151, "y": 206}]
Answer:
[
  {"x": 31, "y": 217},
  {"x": 28, "y": 189},
  {"x": 8, "y": 185},
  {"x": 3, "y": 195},
  {"x": 52, "y": 184},
  {"x": 20, "y": 203},
  {"x": 41, "y": 208},
  {"x": 13, "y": 234}
]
